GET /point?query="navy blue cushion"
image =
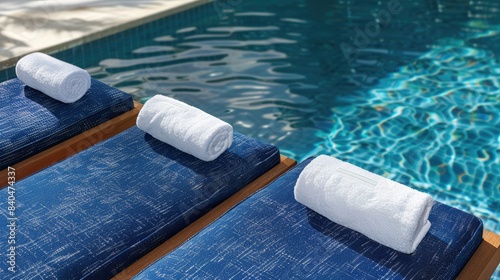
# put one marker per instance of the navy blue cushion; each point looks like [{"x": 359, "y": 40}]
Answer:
[
  {"x": 271, "y": 236},
  {"x": 31, "y": 122},
  {"x": 97, "y": 212}
]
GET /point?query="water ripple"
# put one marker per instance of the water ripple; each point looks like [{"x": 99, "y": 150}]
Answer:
[{"x": 435, "y": 125}]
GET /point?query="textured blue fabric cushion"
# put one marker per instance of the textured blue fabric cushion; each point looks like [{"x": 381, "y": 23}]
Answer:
[
  {"x": 97, "y": 212},
  {"x": 31, "y": 122},
  {"x": 271, "y": 236}
]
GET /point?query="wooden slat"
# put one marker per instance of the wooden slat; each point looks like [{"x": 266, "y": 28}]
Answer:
[
  {"x": 485, "y": 260},
  {"x": 72, "y": 146},
  {"x": 205, "y": 220}
]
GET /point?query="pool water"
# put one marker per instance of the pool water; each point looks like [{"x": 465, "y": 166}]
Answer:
[{"x": 409, "y": 89}]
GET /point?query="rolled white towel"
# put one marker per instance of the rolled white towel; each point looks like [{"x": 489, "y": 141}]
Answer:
[
  {"x": 381, "y": 209},
  {"x": 187, "y": 128},
  {"x": 57, "y": 79}
]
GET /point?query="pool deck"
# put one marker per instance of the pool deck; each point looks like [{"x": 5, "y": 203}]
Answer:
[{"x": 54, "y": 25}]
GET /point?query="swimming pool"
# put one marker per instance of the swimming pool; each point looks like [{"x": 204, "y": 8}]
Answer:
[{"x": 406, "y": 89}]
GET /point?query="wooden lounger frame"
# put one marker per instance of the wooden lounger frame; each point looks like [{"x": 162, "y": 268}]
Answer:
[
  {"x": 72, "y": 146},
  {"x": 485, "y": 260},
  {"x": 480, "y": 266}
]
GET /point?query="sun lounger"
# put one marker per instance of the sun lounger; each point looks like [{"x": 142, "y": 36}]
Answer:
[
  {"x": 32, "y": 122},
  {"x": 272, "y": 236},
  {"x": 95, "y": 213}
]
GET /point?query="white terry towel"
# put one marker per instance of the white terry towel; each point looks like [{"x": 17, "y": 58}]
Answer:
[
  {"x": 185, "y": 127},
  {"x": 57, "y": 79},
  {"x": 386, "y": 211}
]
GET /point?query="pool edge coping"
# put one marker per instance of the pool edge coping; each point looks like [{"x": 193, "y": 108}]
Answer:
[{"x": 119, "y": 27}]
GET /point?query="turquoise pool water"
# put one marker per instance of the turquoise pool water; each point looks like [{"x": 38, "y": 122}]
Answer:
[{"x": 406, "y": 89}]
